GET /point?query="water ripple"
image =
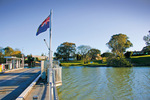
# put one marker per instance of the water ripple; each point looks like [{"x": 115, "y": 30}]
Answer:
[{"x": 102, "y": 83}]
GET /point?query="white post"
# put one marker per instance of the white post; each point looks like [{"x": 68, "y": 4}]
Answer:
[
  {"x": 22, "y": 61},
  {"x": 50, "y": 59}
]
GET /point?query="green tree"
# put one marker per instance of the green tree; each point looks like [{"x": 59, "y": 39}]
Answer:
[
  {"x": 146, "y": 50},
  {"x": 128, "y": 54},
  {"x": 118, "y": 62},
  {"x": 42, "y": 54},
  {"x": 36, "y": 59},
  {"x": 30, "y": 60},
  {"x": 94, "y": 53},
  {"x": 2, "y": 59},
  {"x": 147, "y": 39},
  {"x": 118, "y": 44},
  {"x": 78, "y": 56},
  {"x": 107, "y": 54},
  {"x": 65, "y": 51},
  {"x": 17, "y": 54},
  {"x": 8, "y": 51},
  {"x": 83, "y": 51}
]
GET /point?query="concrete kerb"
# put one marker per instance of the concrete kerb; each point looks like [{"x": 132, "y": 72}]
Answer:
[
  {"x": 28, "y": 89},
  {"x": 6, "y": 71},
  {"x": 12, "y": 70}
]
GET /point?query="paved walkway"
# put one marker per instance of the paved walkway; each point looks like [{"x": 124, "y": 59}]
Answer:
[
  {"x": 41, "y": 90},
  {"x": 13, "y": 83}
]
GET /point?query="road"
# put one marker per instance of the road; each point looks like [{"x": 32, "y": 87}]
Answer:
[{"x": 12, "y": 84}]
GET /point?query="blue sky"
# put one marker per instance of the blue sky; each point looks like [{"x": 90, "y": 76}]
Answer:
[{"x": 83, "y": 22}]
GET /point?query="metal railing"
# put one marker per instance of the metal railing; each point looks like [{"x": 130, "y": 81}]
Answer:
[
  {"x": 58, "y": 76},
  {"x": 54, "y": 77},
  {"x": 57, "y": 79}
]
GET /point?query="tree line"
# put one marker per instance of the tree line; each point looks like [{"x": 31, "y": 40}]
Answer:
[
  {"x": 118, "y": 44},
  {"x": 8, "y": 51},
  {"x": 68, "y": 51}
]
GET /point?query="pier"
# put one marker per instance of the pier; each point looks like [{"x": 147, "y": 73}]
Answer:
[{"x": 40, "y": 88}]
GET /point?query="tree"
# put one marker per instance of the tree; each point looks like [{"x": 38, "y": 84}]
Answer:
[
  {"x": 128, "y": 54},
  {"x": 118, "y": 44},
  {"x": 107, "y": 54},
  {"x": 94, "y": 53},
  {"x": 30, "y": 60},
  {"x": 2, "y": 59},
  {"x": 83, "y": 50},
  {"x": 16, "y": 53},
  {"x": 146, "y": 50},
  {"x": 147, "y": 39},
  {"x": 8, "y": 51},
  {"x": 78, "y": 57},
  {"x": 42, "y": 54},
  {"x": 65, "y": 51},
  {"x": 117, "y": 62}
]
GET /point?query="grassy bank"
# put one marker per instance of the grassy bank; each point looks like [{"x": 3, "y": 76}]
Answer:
[
  {"x": 143, "y": 60},
  {"x": 80, "y": 63}
]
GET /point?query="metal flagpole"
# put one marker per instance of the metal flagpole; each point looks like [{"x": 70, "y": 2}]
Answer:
[{"x": 50, "y": 57}]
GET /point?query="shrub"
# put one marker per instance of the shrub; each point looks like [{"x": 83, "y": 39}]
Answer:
[
  {"x": 118, "y": 62},
  {"x": 128, "y": 54}
]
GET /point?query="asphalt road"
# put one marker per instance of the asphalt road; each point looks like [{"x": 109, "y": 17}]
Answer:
[{"x": 12, "y": 84}]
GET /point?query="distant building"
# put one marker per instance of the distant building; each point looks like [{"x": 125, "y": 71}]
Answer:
[
  {"x": 40, "y": 57},
  {"x": 71, "y": 58},
  {"x": 135, "y": 53},
  {"x": 98, "y": 57}
]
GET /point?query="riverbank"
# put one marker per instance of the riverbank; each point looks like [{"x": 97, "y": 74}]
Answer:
[
  {"x": 143, "y": 60},
  {"x": 80, "y": 64}
]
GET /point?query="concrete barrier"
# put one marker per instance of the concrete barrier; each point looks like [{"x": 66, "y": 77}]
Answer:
[
  {"x": 28, "y": 89},
  {"x": 12, "y": 70},
  {"x": 6, "y": 71}
]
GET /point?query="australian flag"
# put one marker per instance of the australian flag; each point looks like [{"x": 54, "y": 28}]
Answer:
[{"x": 44, "y": 26}]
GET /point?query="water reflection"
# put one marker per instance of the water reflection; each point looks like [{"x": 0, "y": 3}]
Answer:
[
  {"x": 119, "y": 83},
  {"x": 87, "y": 83}
]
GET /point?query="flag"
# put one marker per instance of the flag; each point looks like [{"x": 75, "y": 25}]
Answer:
[{"x": 44, "y": 26}]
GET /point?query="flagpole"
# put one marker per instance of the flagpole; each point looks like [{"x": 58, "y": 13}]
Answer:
[
  {"x": 50, "y": 34},
  {"x": 50, "y": 57}
]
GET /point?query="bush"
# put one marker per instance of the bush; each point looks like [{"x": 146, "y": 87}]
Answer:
[
  {"x": 128, "y": 54},
  {"x": 2, "y": 60},
  {"x": 107, "y": 54},
  {"x": 118, "y": 62}
]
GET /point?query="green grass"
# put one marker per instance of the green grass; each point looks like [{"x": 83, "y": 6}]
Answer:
[
  {"x": 80, "y": 63},
  {"x": 143, "y": 56},
  {"x": 71, "y": 64},
  {"x": 143, "y": 60}
]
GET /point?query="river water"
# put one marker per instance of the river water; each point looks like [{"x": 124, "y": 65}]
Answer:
[{"x": 105, "y": 83}]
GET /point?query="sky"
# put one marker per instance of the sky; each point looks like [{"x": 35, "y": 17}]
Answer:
[{"x": 83, "y": 22}]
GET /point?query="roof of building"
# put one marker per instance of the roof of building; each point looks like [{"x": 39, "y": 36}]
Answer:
[{"x": 41, "y": 57}]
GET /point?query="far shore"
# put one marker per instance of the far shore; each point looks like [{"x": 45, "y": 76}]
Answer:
[
  {"x": 136, "y": 61},
  {"x": 96, "y": 65}
]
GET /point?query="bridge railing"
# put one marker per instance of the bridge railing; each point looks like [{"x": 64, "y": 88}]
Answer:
[
  {"x": 55, "y": 75},
  {"x": 58, "y": 76}
]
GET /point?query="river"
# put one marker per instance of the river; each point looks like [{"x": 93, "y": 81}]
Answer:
[{"x": 105, "y": 83}]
